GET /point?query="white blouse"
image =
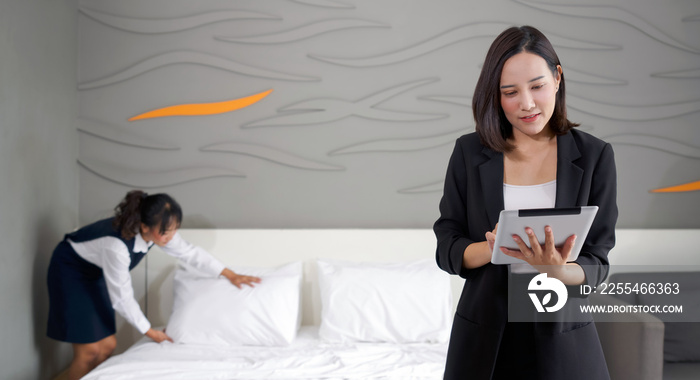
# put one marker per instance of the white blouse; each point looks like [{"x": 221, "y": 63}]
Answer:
[
  {"x": 112, "y": 255},
  {"x": 534, "y": 196},
  {"x": 527, "y": 197}
]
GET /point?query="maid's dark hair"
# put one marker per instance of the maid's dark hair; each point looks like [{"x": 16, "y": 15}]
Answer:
[{"x": 157, "y": 210}]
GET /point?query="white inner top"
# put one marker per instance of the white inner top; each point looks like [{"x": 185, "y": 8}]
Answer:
[{"x": 534, "y": 196}]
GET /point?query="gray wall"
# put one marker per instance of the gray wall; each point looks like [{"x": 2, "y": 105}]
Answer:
[
  {"x": 368, "y": 98},
  {"x": 38, "y": 174}
]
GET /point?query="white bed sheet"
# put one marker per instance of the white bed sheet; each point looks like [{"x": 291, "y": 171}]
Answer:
[{"x": 306, "y": 358}]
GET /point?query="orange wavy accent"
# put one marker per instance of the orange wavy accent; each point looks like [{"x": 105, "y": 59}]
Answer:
[
  {"x": 199, "y": 109},
  {"x": 692, "y": 186}
]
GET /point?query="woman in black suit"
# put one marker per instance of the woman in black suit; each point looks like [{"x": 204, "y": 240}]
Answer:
[{"x": 524, "y": 154}]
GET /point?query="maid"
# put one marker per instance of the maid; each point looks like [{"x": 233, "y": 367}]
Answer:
[{"x": 89, "y": 278}]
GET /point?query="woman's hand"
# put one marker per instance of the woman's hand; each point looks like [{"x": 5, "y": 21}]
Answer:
[
  {"x": 491, "y": 237},
  {"x": 157, "y": 335},
  {"x": 537, "y": 254},
  {"x": 547, "y": 258},
  {"x": 238, "y": 280},
  {"x": 479, "y": 253}
]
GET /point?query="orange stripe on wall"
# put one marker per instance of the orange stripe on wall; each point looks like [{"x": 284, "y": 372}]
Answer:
[
  {"x": 692, "y": 186},
  {"x": 201, "y": 109}
]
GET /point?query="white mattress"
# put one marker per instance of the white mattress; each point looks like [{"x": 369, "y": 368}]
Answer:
[{"x": 306, "y": 358}]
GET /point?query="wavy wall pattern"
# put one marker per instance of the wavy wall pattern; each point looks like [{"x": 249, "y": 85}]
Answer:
[
  {"x": 401, "y": 145},
  {"x": 270, "y": 154},
  {"x": 659, "y": 143},
  {"x": 611, "y": 13},
  {"x": 317, "y": 111},
  {"x": 450, "y": 37},
  {"x": 304, "y": 32},
  {"x": 376, "y": 85},
  {"x": 682, "y": 74},
  {"x": 190, "y": 57},
  {"x": 433, "y": 187},
  {"x": 458, "y": 100},
  {"x": 559, "y": 41},
  {"x": 632, "y": 113},
  {"x": 171, "y": 25},
  {"x": 122, "y": 136},
  {"x": 326, "y": 4},
  {"x": 573, "y": 75},
  {"x": 134, "y": 177}
]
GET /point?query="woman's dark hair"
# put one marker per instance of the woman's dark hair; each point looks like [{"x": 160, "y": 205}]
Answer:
[
  {"x": 491, "y": 123},
  {"x": 152, "y": 210}
]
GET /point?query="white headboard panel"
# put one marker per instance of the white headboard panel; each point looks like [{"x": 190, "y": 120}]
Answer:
[
  {"x": 266, "y": 248},
  {"x": 670, "y": 248},
  {"x": 660, "y": 250}
]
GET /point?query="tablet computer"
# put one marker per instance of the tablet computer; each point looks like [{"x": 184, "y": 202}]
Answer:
[{"x": 564, "y": 222}]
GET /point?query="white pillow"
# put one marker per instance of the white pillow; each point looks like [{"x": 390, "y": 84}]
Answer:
[
  {"x": 397, "y": 302},
  {"x": 211, "y": 311}
]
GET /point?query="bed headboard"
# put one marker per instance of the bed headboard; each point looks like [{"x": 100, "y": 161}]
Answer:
[
  {"x": 659, "y": 249},
  {"x": 270, "y": 247}
]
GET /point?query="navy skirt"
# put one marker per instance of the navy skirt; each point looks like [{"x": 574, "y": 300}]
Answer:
[{"x": 80, "y": 310}]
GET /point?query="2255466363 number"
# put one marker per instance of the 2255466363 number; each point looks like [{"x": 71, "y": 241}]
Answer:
[{"x": 615, "y": 288}]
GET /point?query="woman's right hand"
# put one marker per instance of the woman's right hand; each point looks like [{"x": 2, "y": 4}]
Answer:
[
  {"x": 491, "y": 237},
  {"x": 478, "y": 254},
  {"x": 157, "y": 335}
]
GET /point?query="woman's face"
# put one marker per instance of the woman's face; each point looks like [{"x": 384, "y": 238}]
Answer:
[
  {"x": 154, "y": 234},
  {"x": 528, "y": 94}
]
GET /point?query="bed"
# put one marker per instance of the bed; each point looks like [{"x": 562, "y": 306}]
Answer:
[
  {"x": 334, "y": 304},
  {"x": 374, "y": 340},
  {"x": 306, "y": 358}
]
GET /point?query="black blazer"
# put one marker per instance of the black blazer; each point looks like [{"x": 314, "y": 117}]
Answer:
[{"x": 471, "y": 202}]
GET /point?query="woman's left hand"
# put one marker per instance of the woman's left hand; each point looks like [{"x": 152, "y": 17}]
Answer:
[
  {"x": 541, "y": 254},
  {"x": 239, "y": 280}
]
